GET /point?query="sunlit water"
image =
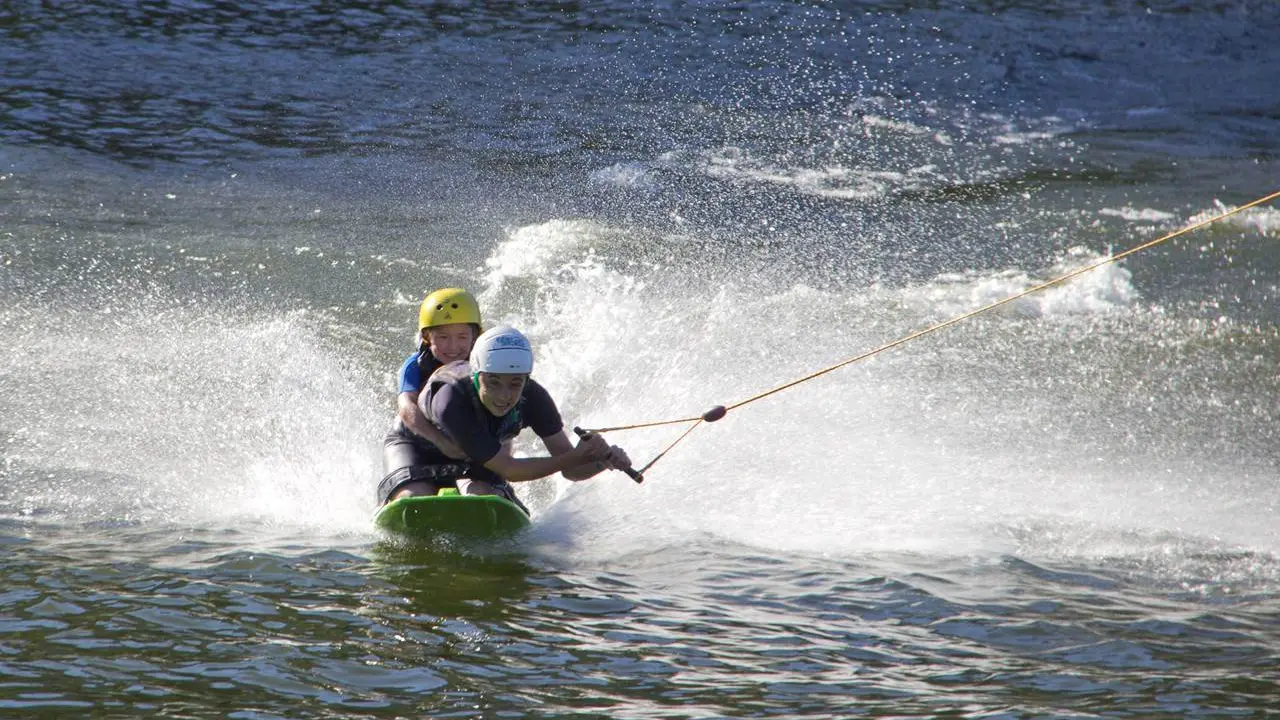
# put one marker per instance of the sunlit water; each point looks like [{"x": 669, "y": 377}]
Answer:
[{"x": 216, "y": 223}]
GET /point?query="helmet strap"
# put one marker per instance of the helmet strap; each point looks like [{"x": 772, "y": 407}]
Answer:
[{"x": 475, "y": 381}]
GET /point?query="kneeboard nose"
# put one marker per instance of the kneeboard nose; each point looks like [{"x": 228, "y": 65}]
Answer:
[{"x": 451, "y": 513}]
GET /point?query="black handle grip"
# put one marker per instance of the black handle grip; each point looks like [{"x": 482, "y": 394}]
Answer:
[{"x": 630, "y": 471}]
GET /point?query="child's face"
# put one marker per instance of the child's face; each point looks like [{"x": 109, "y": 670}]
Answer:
[
  {"x": 450, "y": 342},
  {"x": 499, "y": 393}
]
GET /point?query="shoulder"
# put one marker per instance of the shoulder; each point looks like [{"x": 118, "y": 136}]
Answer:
[
  {"x": 410, "y": 375},
  {"x": 453, "y": 373},
  {"x": 534, "y": 392},
  {"x": 540, "y": 411},
  {"x": 451, "y": 382}
]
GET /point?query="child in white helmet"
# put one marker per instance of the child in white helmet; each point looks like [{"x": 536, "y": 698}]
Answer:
[{"x": 481, "y": 405}]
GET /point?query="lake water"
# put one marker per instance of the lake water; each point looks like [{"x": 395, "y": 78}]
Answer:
[{"x": 217, "y": 220}]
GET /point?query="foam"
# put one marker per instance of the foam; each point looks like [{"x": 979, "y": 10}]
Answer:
[{"x": 939, "y": 446}]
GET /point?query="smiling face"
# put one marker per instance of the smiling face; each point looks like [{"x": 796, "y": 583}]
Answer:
[
  {"x": 499, "y": 392},
  {"x": 450, "y": 343}
]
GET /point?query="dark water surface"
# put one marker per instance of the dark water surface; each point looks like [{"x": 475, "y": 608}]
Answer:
[{"x": 216, "y": 220}]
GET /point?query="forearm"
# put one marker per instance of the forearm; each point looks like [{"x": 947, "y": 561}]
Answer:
[
  {"x": 534, "y": 468},
  {"x": 584, "y": 470},
  {"x": 423, "y": 428},
  {"x": 409, "y": 414},
  {"x": 587, "y": 463},
  {"x": 413, "y": 418}
]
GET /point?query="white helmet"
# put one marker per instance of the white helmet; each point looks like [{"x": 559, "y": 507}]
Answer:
[{"x": 503, "y": 350}]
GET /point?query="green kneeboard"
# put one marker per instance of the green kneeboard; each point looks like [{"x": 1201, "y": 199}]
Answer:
[{"x": 452, "y": 513}]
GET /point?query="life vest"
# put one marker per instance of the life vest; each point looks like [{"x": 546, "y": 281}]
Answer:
[
  {"x": 427, "y": 363},
  {"x": 458, "y": 374}
]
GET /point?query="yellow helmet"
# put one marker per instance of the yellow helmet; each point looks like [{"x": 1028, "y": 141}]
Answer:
[{"x": 448, "y": 306}]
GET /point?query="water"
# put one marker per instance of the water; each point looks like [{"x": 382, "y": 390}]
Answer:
[{"x": 216, "y": 222}]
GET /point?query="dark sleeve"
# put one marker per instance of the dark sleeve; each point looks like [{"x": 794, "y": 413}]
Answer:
[
  {"x": 451, "y": 409},
  {"x": 540, "y": 411}
]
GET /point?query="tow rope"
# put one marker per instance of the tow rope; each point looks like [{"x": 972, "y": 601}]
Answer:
[{"x": 720, "y": 411}]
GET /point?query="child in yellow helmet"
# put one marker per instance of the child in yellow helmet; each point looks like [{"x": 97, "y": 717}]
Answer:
[{"x": 448, "y": 324}]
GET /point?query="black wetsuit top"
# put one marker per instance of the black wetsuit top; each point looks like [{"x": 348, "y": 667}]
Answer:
[{"x": 450, "y": 400}]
